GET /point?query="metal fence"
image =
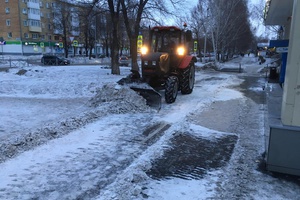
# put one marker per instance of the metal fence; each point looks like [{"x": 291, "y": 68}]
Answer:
[{"x": 17, "y": 63}]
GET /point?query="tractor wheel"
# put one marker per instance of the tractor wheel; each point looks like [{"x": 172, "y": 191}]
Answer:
[
  {"x": 188, "y": 79},
  {"x": 171, "y": 89}
]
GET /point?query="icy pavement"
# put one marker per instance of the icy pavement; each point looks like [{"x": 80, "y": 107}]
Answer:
[{"x": 76, "y": 165}]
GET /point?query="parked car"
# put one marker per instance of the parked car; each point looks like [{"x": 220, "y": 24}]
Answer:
[
  {"x": 124, "y": 61},
  {"x": 54, "y": 60},
  {"x": 99, "y": 56}
]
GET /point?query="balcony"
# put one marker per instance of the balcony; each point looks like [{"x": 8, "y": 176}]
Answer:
[
  {"x": 34, "y": 16},
  {"x": 35, "y": 29},
  {"x": 33, "y": 5},
  {"x": 278, "y": 12}
]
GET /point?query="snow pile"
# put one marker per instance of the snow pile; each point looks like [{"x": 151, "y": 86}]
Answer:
[
  {"x": 210, "y": 65},
  {"x": 110, "y": 99},
  {"x": 26, "y": 141},
  {"x": 121, "y": 99}
]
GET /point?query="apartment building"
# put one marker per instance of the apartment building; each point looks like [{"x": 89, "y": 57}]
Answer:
[{"x": 26, "y": 27}]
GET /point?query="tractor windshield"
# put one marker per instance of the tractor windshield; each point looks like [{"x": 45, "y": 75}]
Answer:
[{"x": 165, "y": 41}]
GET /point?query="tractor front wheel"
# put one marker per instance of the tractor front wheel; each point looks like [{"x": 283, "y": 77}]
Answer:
[
  {"x": 188, "y": 79},
  {"x": 171, "y": 89}
]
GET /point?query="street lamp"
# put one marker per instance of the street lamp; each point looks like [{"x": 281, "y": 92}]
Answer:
[
  {"x": 204, "y": 47},
  {"x": 205, "y": 35},
  {"x": 96, "y": 54}
]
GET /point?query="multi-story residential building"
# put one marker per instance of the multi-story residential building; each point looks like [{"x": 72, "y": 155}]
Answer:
[{"x": 27, "y": 27}]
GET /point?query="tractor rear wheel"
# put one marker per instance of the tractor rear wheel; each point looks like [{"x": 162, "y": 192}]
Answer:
[
  {"x": 171, "y": 89},
  {"x": 188, "y": 79}
]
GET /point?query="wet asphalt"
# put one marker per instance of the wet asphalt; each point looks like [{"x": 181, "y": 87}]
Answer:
[
  {"x": 239, "y": 155},
  {"x": 191, "y": 157}
]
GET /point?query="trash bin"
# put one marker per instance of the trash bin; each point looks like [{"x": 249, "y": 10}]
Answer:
[{"x": 273, "y": 73}]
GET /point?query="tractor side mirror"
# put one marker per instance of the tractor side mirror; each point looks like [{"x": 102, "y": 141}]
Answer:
[{"x": 188, "y": 36}]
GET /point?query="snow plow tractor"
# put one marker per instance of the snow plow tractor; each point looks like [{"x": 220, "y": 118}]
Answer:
[{"x": 165, "y": 64}]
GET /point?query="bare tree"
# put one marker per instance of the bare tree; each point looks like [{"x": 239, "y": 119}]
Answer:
[
  {"x": 91, "y": 15},
  {"x": 134, "y": 11},
  {"x": 62, "y": 15},
  {"x": 200, "y": 24},
  {"x": 114, "y": 10},
  {"x": 87, "y": 17},
  {"x": 106, "y": 34},
  {"x": 231, "y": 28},
  {"x": 257, "y": 15}
]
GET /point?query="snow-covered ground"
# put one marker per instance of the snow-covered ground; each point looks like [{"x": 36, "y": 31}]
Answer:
[{"x": 70, "y": 132}]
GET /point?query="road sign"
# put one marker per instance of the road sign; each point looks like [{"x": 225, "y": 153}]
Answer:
[
  {"x": 195, "y": 46},
  {"x": 42, "y": 45},
  {"x": 75, "y": 43},
  {"x": 61, "y": 45},
  {"x": 139, "y": 42},
  {"x": 71, "y": 38},
  {"x": 282, "y": 49}
]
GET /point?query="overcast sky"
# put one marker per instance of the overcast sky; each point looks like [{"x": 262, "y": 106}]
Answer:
[{"x": 261, "y": 30}]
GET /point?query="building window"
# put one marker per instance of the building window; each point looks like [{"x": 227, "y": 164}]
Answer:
[
  {"x": 35, "y": 23},
  {"x": 48, "y": 15},
  {"x": 7, "y": 10},
  {"x": 9, "y": 35},
  {"x": 49, "y": 37},
  {"x": 6, "y": 1},
  {"x": 42, "y": 15},
  {"x": 24, "y": 11},
  {"x": 8, "y": 22},
  {"x": 35, "y": 36},
  {"x": 26, "y": 35},
  {"x": 25, "y": 23},
  {"x": 49, "y": 26},
  {"x": 34, "y": 11},
  {"x": 56, "y": 37},
  {"x": 43, "y": 37},
  {"x": 41, "y": 4},
  {"x": 47, "y": 5}
]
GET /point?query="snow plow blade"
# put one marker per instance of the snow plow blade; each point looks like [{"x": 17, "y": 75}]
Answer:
[{"x": 153, "y": 97}]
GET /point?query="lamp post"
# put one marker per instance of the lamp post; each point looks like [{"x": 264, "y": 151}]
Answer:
[
  {"x": 204, "y": 51},
  {"x": 96, "y": 52},
  {"x": 205, "y": 35},
  {"x": 2, "y": 43}
]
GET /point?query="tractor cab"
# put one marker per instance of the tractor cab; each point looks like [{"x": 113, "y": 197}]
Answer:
[
  {"x": 165, "y": 40},
  {"x": 168, "y": 39},
  {"x": 164, "y": 53}
]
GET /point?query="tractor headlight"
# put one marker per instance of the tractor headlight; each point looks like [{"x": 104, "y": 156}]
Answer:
[
  {"x": 153, "y": 63},
  {"x": 144, "y": 50},
  {"x": 180, "y": 51},
  {"x": 146, "y": 63}
]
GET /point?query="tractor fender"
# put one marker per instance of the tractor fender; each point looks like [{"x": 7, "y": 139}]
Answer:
[{"x": 186, "y": 61}]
